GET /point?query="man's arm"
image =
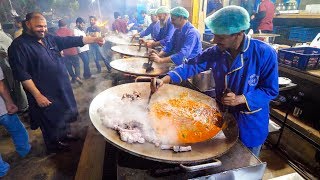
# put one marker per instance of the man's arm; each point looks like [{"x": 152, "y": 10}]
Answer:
[
  {"x": 90, "y": 40},
  {"x": 160, "y": 58},
  {"x": 147, "y": 31},
  {"x": 4, "y": 93},
  {"x": 42, "y": 101},
  {"x": 190, "y": 42}
]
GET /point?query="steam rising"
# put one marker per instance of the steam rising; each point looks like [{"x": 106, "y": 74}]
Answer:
[{"x": 116, "y": 112}]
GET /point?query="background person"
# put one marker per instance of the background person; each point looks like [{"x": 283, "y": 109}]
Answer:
[
  {"x": 70, "y": 55},
  {"x": 119, "y": 25},
  {"x": 84, "y": 50},
  {"x": 94, "y": 31},
  {"x": 10, "y": 120},
  {"x": 15, "y": 89},
  {"x": 146, "y": 19},
  {"x": 166, "y": 28},
  {"x": 263, "y": 20},
  {"x": 18, "y": 24},
  {"x": 153, "y": 29},
  {"x": 185, "y": 42}
]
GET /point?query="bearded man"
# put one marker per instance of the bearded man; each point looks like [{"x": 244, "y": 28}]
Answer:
[{"x": 36, "y": 61}]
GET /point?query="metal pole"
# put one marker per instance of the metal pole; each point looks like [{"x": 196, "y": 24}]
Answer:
[
  {"x": 99, "y": 9},
  {"x": 10, "y": 4}
]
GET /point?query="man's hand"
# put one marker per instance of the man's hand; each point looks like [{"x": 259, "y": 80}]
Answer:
[
  {"x": 155, "y": 57},
  {"x": 231, "y": 99},
  {"x": 42, "y": 101},
  {"x": 89, "y": 40},
  {"x": 11, "y": 108},
  {"x": 149, "y": 44},
  {"x": 155, "y": 84},
  {"x": 100, "y": 41},
  {"x": 153, "y": 51},
  {"x": 134, "y": 36},
  {"x": 3, "y": 54}
]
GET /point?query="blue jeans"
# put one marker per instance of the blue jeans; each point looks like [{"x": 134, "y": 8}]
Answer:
[
  {"x": 97, "y": 52},
  {"x": 255, "y": 150},
  {"x": 85, "y": 59},
  {"x": 72, "y": 62},
  {"x": 19, "y": 136}
]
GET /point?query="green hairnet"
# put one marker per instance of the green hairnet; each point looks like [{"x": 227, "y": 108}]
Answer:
[
  {"x": 163, "y": 10},
  {"x": 152, "y": 11},
  {"x": 228, "y": 20},
  {"x": 179, "y": 11}
]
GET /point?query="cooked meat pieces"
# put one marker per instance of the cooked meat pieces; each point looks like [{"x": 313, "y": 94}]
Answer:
[
  {"x": 134, "y": 96},
  {"x": 176, "y": 148},
  {"x": 131, "y": 135},
  {"x": 181, "y": 148}
]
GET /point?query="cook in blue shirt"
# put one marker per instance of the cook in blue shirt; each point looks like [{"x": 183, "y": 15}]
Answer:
[
  {"x": 248, "y": 67},
  {"x": 185, "y": 42},
  {"x": 154, "y": 27},
  {"x": 166, "y": 28}
]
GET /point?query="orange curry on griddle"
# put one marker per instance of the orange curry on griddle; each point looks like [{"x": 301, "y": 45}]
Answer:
[{"x": 194, "y": 121}]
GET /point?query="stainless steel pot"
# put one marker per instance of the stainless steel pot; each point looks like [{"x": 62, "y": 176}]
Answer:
[{"x": 204, "y": 81}]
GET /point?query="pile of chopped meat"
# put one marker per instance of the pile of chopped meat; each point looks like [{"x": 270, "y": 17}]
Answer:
[
  {"x": 131, "y": 97},
  {"x": 133, "y": 125}
]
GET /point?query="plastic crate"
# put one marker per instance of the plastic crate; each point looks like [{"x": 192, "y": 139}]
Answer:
[
  {"x": 207, "y": 37},
  {"x": 303, "y": 58},
  {"x": 310, "y": 34},
  {"x": 282, "y": 30},
  {"x": 296, "y": 34}
]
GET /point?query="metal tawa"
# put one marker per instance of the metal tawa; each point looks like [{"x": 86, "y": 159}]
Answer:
[
  {"x": 136, "y": 51},
  {"x": 140, "y": 66},
  {"x": 201, "y": 152},
  {"x": 121, "y": 40}
]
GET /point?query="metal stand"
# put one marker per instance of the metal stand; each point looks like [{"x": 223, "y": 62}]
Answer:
[{"x": 292, "y": 162}]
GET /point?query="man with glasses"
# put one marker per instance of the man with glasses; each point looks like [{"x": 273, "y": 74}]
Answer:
[
  {"x": 247, "y": 67},
  {"x": 185, "y": 42}
]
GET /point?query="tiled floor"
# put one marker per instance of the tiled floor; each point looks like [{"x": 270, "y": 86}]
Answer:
[{"x": 276, "y": 166}]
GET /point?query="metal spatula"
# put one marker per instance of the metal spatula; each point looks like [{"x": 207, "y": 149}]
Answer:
[
  {"x": 153, "y": 83},
  {"x": 148, "y": 66}
]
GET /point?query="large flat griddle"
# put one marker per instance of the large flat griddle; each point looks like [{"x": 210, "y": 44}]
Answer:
[
  {"x": 121, "y": 40},
  {"x": 134, "y": 66},
  {"x": 201, "y": 152},
  {"x": 131, "y": 50}
]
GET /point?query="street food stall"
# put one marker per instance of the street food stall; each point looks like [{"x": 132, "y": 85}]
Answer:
[{"x": 219, "y": 157}]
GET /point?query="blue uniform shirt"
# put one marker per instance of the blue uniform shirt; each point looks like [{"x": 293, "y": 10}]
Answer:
[
  {"x": 153, "y": 29},
  {"x": 253, "y": 74},
  {"x": 184, "y": 44},
  {"x": 165, "y": 33}
]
